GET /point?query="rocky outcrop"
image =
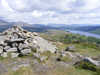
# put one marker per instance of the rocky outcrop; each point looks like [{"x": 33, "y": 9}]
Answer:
[
  {"x": 19, "y": 41},
  {"x": 92, "y": 61}
]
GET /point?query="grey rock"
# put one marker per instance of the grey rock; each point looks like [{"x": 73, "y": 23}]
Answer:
[
  {"x": 1, "y": 49},
  {"x": 1, "y": 42},
  {"x": 90, "y": 60},
  {"x": 44, "y": 45},
  {"x": 16, "y": 40},
  {"x": 4, "y": 54},
  {"x": 15, "y": 45},
  {"x": 15, "y": 35},
  {"x": 16, "y": 29},
  {"x": 28, "y": 40},
  {"x": 12, "y": 50},
  {"x": 26, "y": 51},
  {"x": 14, "y": 55},
  {"x": 35, "y": 34},
  {"x": 23, "y": 46},
  {"x": 20, "y": 46},
  {"x": 6, "y": 48},
  {"x": 37, "y": 55}
]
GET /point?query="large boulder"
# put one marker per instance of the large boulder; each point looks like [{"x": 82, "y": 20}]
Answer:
[
  {"x": 90, "y": 60},
  {"x": 44, "y": 45}
]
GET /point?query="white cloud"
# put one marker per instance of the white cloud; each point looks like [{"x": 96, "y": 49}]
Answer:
[
  {"x": 5, "y": 5},
  {"x": 51, "y": 11},
  {"x": 37, "y": 14}
]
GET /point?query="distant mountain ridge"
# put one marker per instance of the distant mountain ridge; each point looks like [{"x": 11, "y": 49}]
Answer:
[
  {"x": 91, "y": 29},
  {"x": 44, "y": 27}
]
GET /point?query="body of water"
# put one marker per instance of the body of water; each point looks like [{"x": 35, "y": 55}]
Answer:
[{"x": 85, "y": 33}]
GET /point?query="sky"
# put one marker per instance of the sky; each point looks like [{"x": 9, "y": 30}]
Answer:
[{"x": 51, "y": 11}]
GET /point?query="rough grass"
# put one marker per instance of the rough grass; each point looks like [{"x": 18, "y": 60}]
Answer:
[
  {"x": 56, "y": 68},
  {"x": 53, "y": 35},
  {"x": 82, "y": 48},
  {"x": 22, "y": 71},
  {"x": 56, "y": 71}
]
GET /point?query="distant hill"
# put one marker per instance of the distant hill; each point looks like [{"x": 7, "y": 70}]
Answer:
[
  {"x": 45, "y": 27},
  {"x": 92, "y": 29},
  {"x": 3, "y": 22}
]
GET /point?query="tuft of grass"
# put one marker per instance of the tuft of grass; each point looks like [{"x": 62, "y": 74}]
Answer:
[
  {"x": 1, "y": 58},
  {"x": 22, "y": 71}
]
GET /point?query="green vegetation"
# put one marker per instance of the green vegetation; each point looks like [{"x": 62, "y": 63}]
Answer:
[
  {"x": 22, "y": 71},
  {"x": 97, "y": 31},
  {"x": 88, "y": 66},
  {"x": 78, "y": 39},
  {"x": 66, "y": 37},
  {"x": 53, "y": 35},
  {"x": 1, "y": 58},
  {"x": 59, "y": 70},
  {"x": 66, "y": 58},
  {"x": 87, "y": 46}
]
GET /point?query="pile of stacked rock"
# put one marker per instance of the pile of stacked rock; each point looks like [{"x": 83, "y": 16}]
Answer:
[{"x": 18, "y": 41}]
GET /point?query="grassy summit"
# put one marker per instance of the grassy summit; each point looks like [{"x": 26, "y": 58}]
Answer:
[{"x": 56, "y": 64}]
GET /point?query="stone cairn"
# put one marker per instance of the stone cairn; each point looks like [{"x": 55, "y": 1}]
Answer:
[{"x": 17, "y": 41}]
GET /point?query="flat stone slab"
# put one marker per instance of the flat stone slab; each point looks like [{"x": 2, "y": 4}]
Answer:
[{"x": 16, "y": 40}]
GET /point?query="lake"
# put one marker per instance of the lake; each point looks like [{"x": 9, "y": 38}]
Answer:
[{"x": 85, "y": 33}]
